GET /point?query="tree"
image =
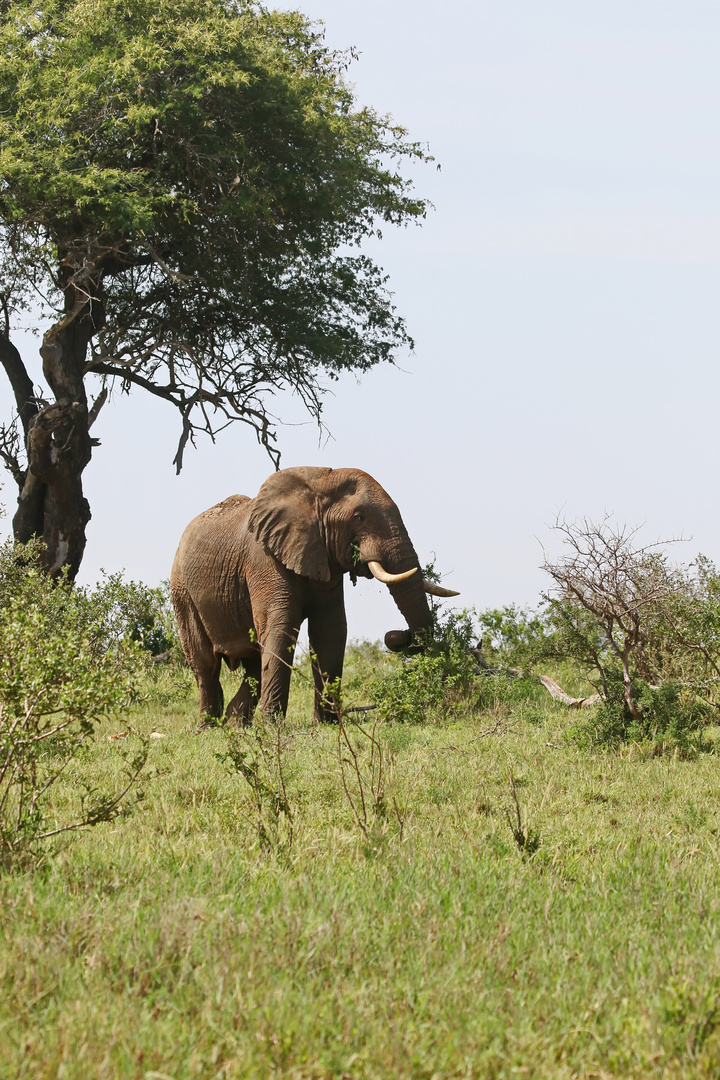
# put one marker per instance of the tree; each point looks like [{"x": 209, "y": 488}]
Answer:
[
  {"x": 183, "y": 188},
  {"x": 623, "y": 587}
]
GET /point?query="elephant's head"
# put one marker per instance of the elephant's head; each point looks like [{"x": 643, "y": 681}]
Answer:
[{"x": 321, "y": 523}]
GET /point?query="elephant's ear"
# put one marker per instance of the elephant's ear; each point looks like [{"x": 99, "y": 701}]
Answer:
[{"x": 284, "y": 518}]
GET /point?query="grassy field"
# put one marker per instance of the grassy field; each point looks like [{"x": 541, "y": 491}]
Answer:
[{"x": 442, "y": 940}]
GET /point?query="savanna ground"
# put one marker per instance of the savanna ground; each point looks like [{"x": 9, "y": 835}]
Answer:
[{"x": 212, "y": 934}]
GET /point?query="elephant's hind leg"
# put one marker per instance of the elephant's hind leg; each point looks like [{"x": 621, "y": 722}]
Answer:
[
  {"x": 242, "y": 706},
  {"x": 210, "y": 687},
  {"x": 200, "y": 655}
]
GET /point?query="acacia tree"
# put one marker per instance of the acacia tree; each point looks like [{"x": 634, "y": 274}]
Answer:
[{"x": 183, "y": 188}]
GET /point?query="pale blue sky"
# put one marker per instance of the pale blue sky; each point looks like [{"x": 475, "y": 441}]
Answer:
[{"x": 563, "y": 296}]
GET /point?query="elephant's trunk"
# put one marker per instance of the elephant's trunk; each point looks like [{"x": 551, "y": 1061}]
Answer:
[
  {"x": 412, "y": 601},
  {"x": 408, "y": 592},
  {"x": 400, "y": 565}
]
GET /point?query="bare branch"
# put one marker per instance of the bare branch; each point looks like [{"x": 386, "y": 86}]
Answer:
[
  {"x": 10, "y": 452},
  {"x": 618, "y": 581},
  {"x": 26, "y": 402},
  {"x": 97, "y": 406}
]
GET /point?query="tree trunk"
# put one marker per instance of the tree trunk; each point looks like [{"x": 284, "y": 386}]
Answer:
[
  {"x": 28, "y": 519},
  {"x": 31, "y": 500},
  {"x": 58, "y": 448},
  {"x": 51, "y": 504},
  {"x": 627, "y": 681}
]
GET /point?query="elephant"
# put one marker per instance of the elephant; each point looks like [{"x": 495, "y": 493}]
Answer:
[{"x": 248, "y": 573}]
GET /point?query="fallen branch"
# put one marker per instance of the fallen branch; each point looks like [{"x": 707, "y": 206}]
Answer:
[
  {"x": 550, "y": 685},
  {"x": 488, "y": 669},
  {"x": 559, "y": 694}
]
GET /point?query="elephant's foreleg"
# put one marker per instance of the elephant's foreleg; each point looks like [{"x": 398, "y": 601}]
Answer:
[
  {"x": 327, "y": 632},
  {"x": 278, "y": 651},
  {"x": 242, "y": 706}
]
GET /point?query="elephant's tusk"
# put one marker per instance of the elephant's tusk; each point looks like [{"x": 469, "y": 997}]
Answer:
[
  {"x": 376, "y": 569},
  {"x": 437, "y": 590}
]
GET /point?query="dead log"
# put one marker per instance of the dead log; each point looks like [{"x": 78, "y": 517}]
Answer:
[
  {"x": 550, "y": 685},
  {"x": 572, "y": 702}
]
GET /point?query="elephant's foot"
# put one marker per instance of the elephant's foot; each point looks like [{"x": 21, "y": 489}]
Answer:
[
  {"x": 211, "y": 705},
  {"x": 211, "y": 695},
  {"x": 327, "y": 708},
  {"x": 326, "y": 717},
  {"x": 210, "y": 723},
  {"x": 244, "y": 702},
  {"x": 238, "y": 721},
  {"x": 241, "y": 708}
]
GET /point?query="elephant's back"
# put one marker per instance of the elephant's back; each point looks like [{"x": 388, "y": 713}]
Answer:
[
  {"x": 228, "y": 508},
  {"x": 224, "y": 515},
  {"x": 211, "y": 544}
]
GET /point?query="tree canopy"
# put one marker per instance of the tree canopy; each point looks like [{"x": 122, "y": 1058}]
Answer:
[{"x": 184, "y": 186}]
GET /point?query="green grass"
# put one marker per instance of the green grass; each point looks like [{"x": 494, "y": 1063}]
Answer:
[{"x": 173, "y": 944}]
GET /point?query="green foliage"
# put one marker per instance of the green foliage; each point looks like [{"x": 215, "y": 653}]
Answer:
[
  {"x": 417, "y": 689},
  {"x": 258, "y": 754},
  {"x": 59, "y": 676},
  {"x": 434, "y": 680},
  {"x": 670, "y": 717},
  {"x": 572, "y": 633},
  {"x": 195, "y": 168},
  {"x": 512, "y": 636},
  {"x": 683, "y": 635},
  {"x": 130, "y": 611},
  {"x": 114, "y": 612},
  {"x": 443, "y": 678},
  {"x": 673, "y": 665},
  {"x": 670, "y": 714},
  {"x": 649, "y": 631}
]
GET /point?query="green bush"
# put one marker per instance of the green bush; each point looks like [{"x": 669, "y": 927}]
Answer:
[
  {"x": 419, "y": 687},
  {"x": 59, "y": 675},
  {"x": 512, "y": 636},
  {"x": 436, "y": 679},
  {"x": 113, "y": 612},
  {"x": 444, "y": 679},
  {"x": 123, "y": 610},
  {"x": 669, "y": 717},
  {"x": 683, "y": 635}
]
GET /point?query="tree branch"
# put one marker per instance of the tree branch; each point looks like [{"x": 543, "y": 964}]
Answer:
[
  {"x": 21, "y": 383},
  {"x": 128, "y": 375}
]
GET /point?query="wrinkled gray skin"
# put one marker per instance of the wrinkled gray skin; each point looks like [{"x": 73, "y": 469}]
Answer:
[{"x": 248, "y": 572}]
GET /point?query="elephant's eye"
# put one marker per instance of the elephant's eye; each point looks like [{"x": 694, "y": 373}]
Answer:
[{"x": 358, "y": 517}]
